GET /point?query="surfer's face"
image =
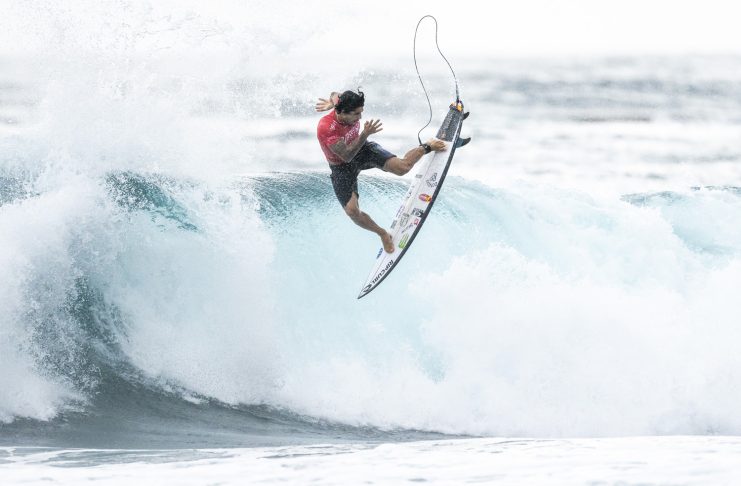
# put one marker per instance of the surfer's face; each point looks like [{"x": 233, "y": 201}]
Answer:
[{"x": 351, "y": 116}]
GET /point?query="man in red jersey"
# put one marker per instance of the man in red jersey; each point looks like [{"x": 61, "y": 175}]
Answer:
[{"x": 348, "y": 152}]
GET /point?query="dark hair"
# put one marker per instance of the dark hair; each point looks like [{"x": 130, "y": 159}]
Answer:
[{"x": 350, "y": 100}]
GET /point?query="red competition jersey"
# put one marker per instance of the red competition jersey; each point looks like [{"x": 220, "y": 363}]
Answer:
[{"x": 330, "y": 131}]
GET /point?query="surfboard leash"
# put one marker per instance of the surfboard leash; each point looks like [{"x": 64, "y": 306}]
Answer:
[{"x": 429, "y": 104}]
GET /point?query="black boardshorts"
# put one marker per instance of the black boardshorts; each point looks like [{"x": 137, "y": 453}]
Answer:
[{"x": 345, "y": 176}]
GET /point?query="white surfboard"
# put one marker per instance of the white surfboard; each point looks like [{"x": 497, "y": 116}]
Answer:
[{"x": 417, "y": 203}]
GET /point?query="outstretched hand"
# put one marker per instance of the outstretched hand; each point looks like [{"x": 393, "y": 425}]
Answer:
[
  {"x": 372, "y": 126},
  {"x": 324, "y": 105}
]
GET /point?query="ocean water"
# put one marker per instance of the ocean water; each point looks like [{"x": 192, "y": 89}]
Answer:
[{"x": 178, "y": 281}]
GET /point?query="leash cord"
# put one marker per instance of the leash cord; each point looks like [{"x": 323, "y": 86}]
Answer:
[{"x": 429, "y": 104}]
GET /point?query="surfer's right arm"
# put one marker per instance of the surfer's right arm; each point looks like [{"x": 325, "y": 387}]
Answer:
[{"x": 346, "y": 151}]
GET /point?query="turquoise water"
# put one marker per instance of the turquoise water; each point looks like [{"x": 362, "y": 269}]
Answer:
[{"x": 176, "y": 272}]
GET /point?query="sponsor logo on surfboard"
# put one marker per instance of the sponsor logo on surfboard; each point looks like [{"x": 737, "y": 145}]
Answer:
[
  {"x": 404, "y": 219},
  {"x": 425, "y": 197},
  {"x": 416, "y": 221},
  {"x": 403, "y": 242},
  {"x": 380, "y": 274},
  {"x": 418, "y": 176},
  {"x": 417, "y": 212},
  {"x": 432, "y": 181},
  {"x": 380, "y": 250}
]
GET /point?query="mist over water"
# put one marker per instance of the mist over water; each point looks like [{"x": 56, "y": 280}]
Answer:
[{"x": 174, "y": 260}]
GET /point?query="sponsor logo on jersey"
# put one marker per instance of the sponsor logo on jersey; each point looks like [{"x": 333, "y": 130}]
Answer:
[{"x": 425, "y": 197}]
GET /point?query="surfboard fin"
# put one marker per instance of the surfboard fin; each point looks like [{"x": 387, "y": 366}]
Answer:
[
  {"x": 465, "y": 115},
  {"x": 462, "y": 141}
]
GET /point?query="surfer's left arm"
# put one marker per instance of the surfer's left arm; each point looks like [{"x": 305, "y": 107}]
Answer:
[{"x": 328, "y": 104}]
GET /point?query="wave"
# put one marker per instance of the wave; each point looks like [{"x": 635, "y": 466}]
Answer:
[{"x": 146, "y": 309}]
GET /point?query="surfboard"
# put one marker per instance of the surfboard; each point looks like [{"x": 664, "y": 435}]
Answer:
[{"x": 419, "y": 199}]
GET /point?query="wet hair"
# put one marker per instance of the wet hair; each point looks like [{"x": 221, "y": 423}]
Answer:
[{"x": 350, "y": 100}]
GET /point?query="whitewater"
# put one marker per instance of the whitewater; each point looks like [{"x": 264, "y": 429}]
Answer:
[{"x": 178, "y": 281}]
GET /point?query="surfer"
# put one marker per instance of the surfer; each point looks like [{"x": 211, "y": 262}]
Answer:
[{"x": 348, "y": 152}]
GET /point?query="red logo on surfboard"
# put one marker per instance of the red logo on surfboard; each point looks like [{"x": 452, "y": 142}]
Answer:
[{"x": 425, "y": 197}]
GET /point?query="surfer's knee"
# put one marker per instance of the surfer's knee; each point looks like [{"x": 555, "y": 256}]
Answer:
[
  {"x": 352, "y": 209},
  {"x": 404, "y": 166},
  {"x": 397, "y": 166},
  {"x": 353, "y": 212}
]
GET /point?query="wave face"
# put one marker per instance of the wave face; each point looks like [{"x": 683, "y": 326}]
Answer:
[{"x": 137, "y": 303}]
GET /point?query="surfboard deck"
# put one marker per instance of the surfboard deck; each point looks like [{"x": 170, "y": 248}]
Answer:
[{"x": 419, "y": 199}]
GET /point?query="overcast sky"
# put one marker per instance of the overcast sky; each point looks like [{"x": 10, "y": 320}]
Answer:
[
  {"x": 384, "y": 28},
  {"x": 547, "y": 27}
]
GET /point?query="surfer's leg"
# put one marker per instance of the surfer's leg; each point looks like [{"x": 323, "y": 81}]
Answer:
[
  {"x": 345, "y": 184},
  {"x": 373, "y": 156},
  {"x": 352, "y": 209},
  {"x": 398, "y": 166}
]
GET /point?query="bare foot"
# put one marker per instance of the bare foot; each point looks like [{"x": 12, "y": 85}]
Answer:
[
  {"x": 436, "y": 145},
  {"x": 388, "y": 242}
]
